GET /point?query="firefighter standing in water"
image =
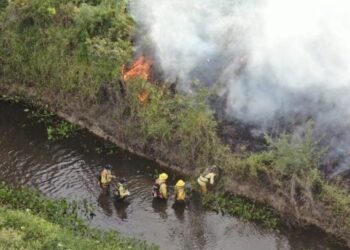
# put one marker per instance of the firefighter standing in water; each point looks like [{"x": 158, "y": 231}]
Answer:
[
  {"x": 121, "y": 191},
  {"x": 208, "y": 176},
  {"x": 106, "y": 176},
  {"x": 159, "y": 188},
  {"x": 180, "y": 193}
]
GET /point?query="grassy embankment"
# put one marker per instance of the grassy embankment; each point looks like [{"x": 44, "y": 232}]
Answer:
[
  {"x": 69, "y": 55},
  {"x": 29, "y": 221}
]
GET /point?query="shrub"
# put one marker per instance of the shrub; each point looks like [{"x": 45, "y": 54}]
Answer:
[
  {"x": 339, "y": 201},
  {"x": 290, "y": 164},
  {"x": 64, "y": 45}
]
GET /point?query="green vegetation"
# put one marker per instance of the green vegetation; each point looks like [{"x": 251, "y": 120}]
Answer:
[
  {"x": 67, "y": 52},
  {"x": 60, "y": 130},
  {"x": 67, "y": 46},
  {"x": 23, "y": 230},
  {"x": 29, "y": 221},
  {"x": 56, "y": 211},
  {"x": 56, "y": 129},
  {"x": 12, "y": 99},
  {"x": 183, "y": 128},
  {"x": 339, "y": 201},
  {"x": 3, "y": 3},
  {"x": 242, "y": 208},
  {"x": 290, "y": 165}
]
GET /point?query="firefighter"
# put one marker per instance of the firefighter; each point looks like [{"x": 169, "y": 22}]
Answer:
[
  {"x": 160, "y": 188},
  {"x": 208, "y": 176},
  {"x": 180, "y": 193},
  {"x": 121, "y": 191},
  {"x": 106, "y": 176}
]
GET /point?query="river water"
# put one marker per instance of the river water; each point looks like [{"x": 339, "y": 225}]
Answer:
[{"x": 69, "y": 169}]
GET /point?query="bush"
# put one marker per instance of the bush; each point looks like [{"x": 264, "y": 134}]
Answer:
[
  {"x": 289, "y": 165},
  {"x": 63, "y": 45},
  {"x": 339, "y": 201}
]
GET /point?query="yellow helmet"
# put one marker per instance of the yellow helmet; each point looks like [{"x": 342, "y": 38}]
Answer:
[
  {"x": 180, "y": 183},
  {"x": 163, "y": 176}
]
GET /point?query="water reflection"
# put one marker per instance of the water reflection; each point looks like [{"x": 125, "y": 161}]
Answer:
[
  {"x": 196, "y": 217},
  {"x": 160, "y": 207},
  {"x": 120, "y": 208},
  {"x": 105, "y": 201},
  {"x": 179, "y": 210}
]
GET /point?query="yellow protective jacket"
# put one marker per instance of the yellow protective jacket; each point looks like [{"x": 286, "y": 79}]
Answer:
[
  {"x": 162, "y": 192},
  {"x": 122, "y": 191},
  {"x": 106, "y": 177},
  {"x": 207, "y": 178},
  {"x": 180, "y": 193}
]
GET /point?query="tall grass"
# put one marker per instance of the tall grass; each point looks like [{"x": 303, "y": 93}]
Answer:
[{"x": 64, "y": 45}]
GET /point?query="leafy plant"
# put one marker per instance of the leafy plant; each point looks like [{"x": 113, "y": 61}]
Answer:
[
  {"x": 242, "y": 208},
  {"x": 62, "y": 130}
]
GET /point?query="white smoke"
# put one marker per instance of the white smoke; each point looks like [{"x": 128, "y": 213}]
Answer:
[{"x": 270, "y": 58}]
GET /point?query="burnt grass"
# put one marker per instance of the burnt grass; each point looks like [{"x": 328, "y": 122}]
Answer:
[
  {"x": 239, "y": 137},
  {"x": 244, "y": 138}
]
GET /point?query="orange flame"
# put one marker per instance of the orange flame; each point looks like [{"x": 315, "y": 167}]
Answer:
[
  {"x": 143, "y": 96},
  {"x": 140, "y": 68}
]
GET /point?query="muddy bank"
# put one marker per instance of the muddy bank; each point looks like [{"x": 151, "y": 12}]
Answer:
[{"x": 101, "y": 119}]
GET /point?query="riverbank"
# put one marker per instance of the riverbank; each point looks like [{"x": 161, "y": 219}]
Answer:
[
  {"x": 67, "y": 168},
  {"x": 76, "y": 78},
  {"x": 230, "y": 184},
  {"x": 29, "y": 221}
]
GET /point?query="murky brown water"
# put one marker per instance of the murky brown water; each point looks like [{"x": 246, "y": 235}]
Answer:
[{"x": 69, "y": 169}]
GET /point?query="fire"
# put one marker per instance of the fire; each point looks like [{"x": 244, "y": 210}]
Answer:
[
  {"x": 143, "y": 96},
  {"x": 140, "y": 68}
]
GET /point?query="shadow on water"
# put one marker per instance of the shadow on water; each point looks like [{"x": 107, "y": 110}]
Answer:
[
  {"x": 120, "y": 208},
  {"x": 160, "y": 207},
  {"x": 69, "y": 169},
  {"x": 179, "y": 211},
  {"x": 105, "y": 201}
]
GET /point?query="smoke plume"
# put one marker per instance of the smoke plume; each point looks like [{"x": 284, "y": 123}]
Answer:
[{"x": 270, "y": 59}]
